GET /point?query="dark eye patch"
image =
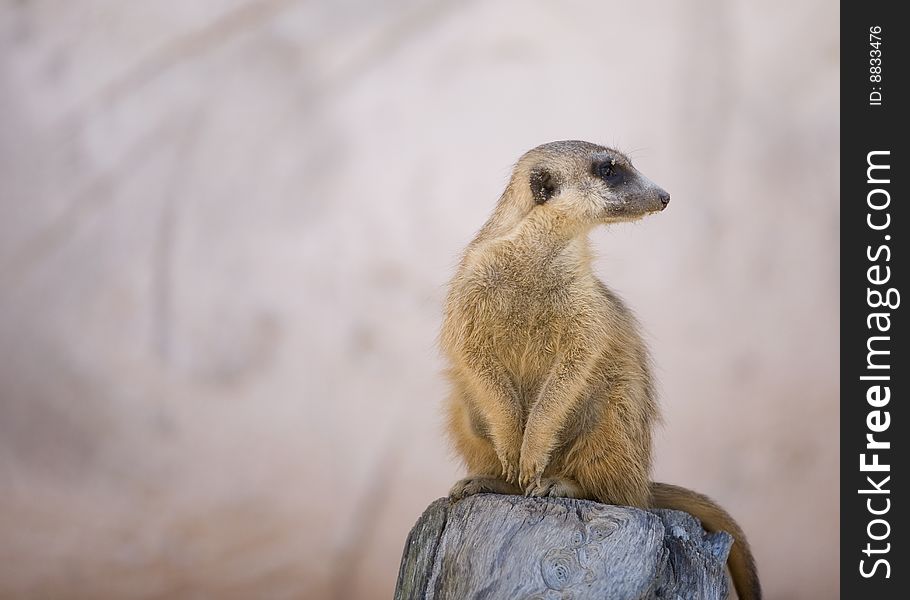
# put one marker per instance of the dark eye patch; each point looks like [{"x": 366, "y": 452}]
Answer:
[{"x": 610, "y": 171}]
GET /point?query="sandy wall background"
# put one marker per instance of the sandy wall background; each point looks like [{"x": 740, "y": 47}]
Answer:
[{"x": 225, "y": 231}]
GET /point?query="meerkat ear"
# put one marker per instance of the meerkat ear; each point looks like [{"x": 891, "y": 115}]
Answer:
[{"x": 543, "y": 185}]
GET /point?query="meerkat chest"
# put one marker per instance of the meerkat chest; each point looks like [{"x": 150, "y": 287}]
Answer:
[{"x": 526, "y": 317}]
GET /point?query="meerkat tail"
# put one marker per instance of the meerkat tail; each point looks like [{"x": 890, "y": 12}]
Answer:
[{"x": 714, "y": 518}]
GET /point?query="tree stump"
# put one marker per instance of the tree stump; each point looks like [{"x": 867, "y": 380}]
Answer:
[{"x": 494, "y": 546}]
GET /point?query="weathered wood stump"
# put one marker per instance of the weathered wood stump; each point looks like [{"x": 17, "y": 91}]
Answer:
[{"x": 494, "y": 546}]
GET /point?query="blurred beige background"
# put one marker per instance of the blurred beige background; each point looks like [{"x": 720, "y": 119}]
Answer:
[{"x": 225, "y": 233}]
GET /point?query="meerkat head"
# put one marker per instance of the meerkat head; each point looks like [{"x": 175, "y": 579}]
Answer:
[{"x": 586, "y": 183}]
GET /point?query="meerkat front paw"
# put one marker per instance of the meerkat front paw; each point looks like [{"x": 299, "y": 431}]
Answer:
[
  {"x": 509, "y": 462},
  {"x": 531, "y": 466},
  {"x": 480, "y": 484},
  {"x": 559, "y": 487}
]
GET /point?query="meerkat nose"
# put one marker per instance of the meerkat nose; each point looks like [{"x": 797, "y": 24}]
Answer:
[{"x": 664, "y": 197}]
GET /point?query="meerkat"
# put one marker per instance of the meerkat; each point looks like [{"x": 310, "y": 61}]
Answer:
[{"x": 552, "y": 392}]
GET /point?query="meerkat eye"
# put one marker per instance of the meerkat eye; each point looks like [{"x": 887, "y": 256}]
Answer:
[{"x": 608, "y": 171}]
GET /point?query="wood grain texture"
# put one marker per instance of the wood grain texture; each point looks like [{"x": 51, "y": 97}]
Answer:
[{"x": 495, "y": 546}]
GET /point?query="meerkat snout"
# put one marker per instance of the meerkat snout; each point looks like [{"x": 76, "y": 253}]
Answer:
[{"x": 664, "y": 198}]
